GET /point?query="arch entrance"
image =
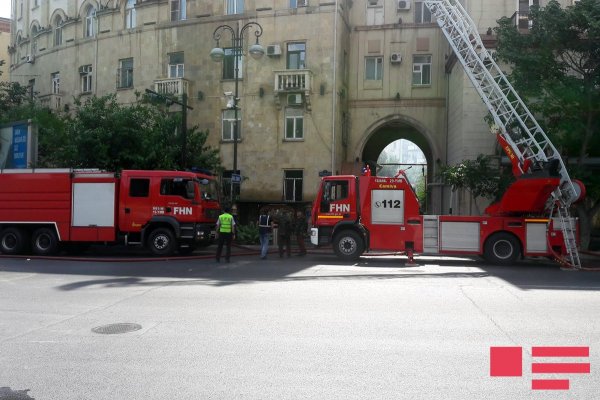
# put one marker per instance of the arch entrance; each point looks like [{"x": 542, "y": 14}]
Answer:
[{"x": 396, "y": 145}]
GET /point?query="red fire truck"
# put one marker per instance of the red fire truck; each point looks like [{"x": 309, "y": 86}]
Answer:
[
  {"x": 164, "y": 211},
  {"x": 366, "y": 213},
  {"x": 382, "y": 213}
]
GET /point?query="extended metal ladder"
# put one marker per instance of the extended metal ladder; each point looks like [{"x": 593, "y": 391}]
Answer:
[{"x": 515, "y": 122}]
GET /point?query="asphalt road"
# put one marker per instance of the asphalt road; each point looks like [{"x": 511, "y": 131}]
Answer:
[{"x": 299, "y": 328}]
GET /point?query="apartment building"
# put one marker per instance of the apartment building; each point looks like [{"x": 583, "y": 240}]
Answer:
[
  {"x": 339, "y": 81},
  {"x": 4, "y": 44}
]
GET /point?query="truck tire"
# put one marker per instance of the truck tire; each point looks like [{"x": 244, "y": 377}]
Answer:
[
  {"x": 501, "y": 249},
  {"x": 12, "y": 241},
  {"x": 348, "y": 245},
  {"x": 44, "y": 242},
  {"x": 161, "y": 242}
]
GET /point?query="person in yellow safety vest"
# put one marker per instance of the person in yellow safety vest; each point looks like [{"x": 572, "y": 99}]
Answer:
[{"x": 225, "y": 233}]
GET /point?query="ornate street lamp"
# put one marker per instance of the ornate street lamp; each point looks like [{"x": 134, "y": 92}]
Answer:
[{"x": 217, "y": 54}]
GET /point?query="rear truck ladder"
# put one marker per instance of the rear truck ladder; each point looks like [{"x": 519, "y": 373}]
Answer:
[{"x": 514, "y": 122}]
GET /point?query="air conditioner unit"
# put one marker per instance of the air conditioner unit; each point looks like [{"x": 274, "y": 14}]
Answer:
[
  {"x": 373, "y": 2},
  {"x": 273, "y": 50},
  {"x": 294, "y": 99},
  {"x": 395, "y": 58},
  {"x": 403, "y": 5},
  {"x": 302, "y": 3},
  {"x": 30, "y": 58},
  {"x": 84, "y": 69}
]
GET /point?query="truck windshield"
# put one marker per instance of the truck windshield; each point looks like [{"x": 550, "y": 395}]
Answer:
[{"x": 208, "y": 189}]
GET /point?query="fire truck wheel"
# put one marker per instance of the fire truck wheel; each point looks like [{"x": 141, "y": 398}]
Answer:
[
  {"x": 44, "y": 242},
  {"x": 501, "y": 249},
  {"x": 348, "y": 245},
  {"x": 12, "y": 241},
  {"x": 162, "y": 242}
]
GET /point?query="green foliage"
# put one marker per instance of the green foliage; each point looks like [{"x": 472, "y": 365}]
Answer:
[
  {"x": 478, "y": 176},
  {"x": 247, "y": 234}
]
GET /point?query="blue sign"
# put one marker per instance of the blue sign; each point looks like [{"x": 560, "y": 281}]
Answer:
[
  {"x": 19, "y": 143},
  {"x": 236, "y": 178}
]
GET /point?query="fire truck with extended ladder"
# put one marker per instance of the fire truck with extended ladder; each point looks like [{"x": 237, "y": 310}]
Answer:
[
  {"x": 42, "y": 210},
  {"x": 357, "y": 214}
]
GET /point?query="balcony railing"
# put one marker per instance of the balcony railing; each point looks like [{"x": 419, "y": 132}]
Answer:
[
  {"x": 171, "y": 86},
  {"x": 293, "y": 80},
  {"x": 52, "y": 101}
]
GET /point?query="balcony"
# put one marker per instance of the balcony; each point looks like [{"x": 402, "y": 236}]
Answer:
[
  {"x": 521, "y": 20},
  {"x": 52, "y": 101},
  {"x": 293, "y": 81},
  {"x": 171, "y": 86}
]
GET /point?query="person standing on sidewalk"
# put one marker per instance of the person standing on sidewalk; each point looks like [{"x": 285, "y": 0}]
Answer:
[
  {"x": 225, "y": 233},
  {"x": 265, "y": 226},
  {"x": 284, "y": 229},
  {"x": 300, "y": 228}
]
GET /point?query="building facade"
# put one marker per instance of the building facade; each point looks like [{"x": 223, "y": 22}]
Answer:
[
  {"x": 5, "y": 41},
  {"x": 340, "y": 79}
]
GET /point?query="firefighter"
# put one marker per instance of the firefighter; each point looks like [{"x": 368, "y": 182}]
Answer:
[{"x": 225, "y": 233}]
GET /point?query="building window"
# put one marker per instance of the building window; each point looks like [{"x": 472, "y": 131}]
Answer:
[
  {"x": 130, "y": 14},
  {"x": 375, "y": 12},
  {"x": 373, "y": 68},
  {"x": 231, "y": 190},
  {"x": 58, "y": 30},
  {"x": 422, "y": 13},
  {"x": 229, "y": 64},
  {"x": 294, "y": 123},
  {"x": 178, "y": 10},
  {"x": 421, "y": 70},
  {"x": 125, "y": 73},
  {"x": 55, "y": 78},
  {"x": 296, "y": 55},
  {"x": 31, "y": 88},
  {"x": 176, "y": 65},
  {"x": 85, "y": 73},
  {"x": 298, "y": 3},
  {"x": 229, "y": 125},
  {"x": 90, "y": 22},
  {"x": 292, "y": 185},
  {"x": 234, "y": 7}
]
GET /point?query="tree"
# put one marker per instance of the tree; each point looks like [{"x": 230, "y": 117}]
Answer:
[
  {"x": 105, "y": 134},
  {"x": 556, "y": 69},
  {"x": 478, "y": 176}
]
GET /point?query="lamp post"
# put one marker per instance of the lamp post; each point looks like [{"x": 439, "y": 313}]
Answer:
[{"x": 217, "y": 54}]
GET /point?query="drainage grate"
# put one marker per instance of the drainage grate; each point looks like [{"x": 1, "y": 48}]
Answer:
[{"x": 113, "y": 329}]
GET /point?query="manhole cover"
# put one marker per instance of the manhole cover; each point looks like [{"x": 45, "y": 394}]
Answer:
[{"x": 112, "y": 329}]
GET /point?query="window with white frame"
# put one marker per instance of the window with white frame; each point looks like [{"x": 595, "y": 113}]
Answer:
[
  {"x": 422, "y": 13},
  {"x": 298, "y": 3},
  {"x": 178, "y": 10},
  {"x": 55, "y": 80},
  {"x": 294, "y": 123},
  {"x": 229, "y": 125},
  {"x": 176, "y": 65},
  {"x": 125, "y": 73},
  {"x": 234, "y": 7},
  {"x": 373, "y": 68},
  {"x": 130, "y": 17},
  {"x": 229, "y": 63},
  {"x": 85, "y": 74},
  {"x": 292, "y": 184},
  {"x": 375, "y": 12},
  {"x": 90, "y": 22},
  {"x": 421, "y": 70},
  {"x": 58, "y": 21},
  {"x": 296, "y": 55}
]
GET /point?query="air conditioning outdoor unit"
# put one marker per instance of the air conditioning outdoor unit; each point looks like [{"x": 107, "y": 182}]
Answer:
[
  {"x": 403, "y": 5},
  {"x": 30, "y": 58},
  {"x": 84, "y": 69},
  {"x": 373, "y": 2},
  {"x": 294, "y": 99},
  {"x": 302, "y": 3},
  {"x": 273, "y": 50},
  {"x": 395, "y": 58}
]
